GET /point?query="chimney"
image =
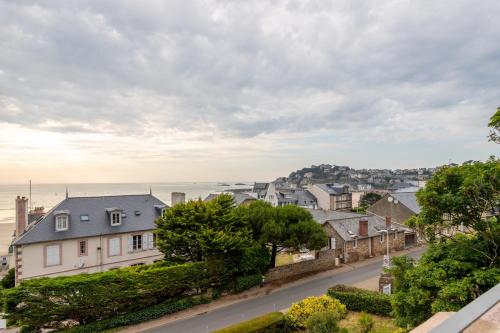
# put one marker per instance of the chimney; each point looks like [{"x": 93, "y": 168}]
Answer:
[
  {"x": 388, "y": 222},
  {"x": 363, "y": 228},
  {"x": 178, "y": 198},
  {"x": 21, "y": 215}
]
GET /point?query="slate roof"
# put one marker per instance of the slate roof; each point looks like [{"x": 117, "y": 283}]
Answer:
[
  {"x": 347, "y": 223},
  {"x": 331, "y": 188},
  {"x": 239, "y": 198},
  {"x": 98, "y": 223},
  {"x": 296, "y": 197},
  {"x": 408, "y": 199}
]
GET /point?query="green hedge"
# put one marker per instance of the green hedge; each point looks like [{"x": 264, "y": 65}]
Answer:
[
  {"x": 153, "y": 312},
  {"x": 243, "y": 283},
  {"x": 273, "y": 322},
  {"x": 357, "y": 299},
  {"x": 85, "y": 298}
]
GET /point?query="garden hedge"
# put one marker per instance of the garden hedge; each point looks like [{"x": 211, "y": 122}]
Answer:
[
  {"x": 273, "y": 322},
  {"x": 85, "y": 298},
  {"x": 243, "y": 283},
  {"x": 356, "y": 299},
  {"x": 132, "y": 318}
]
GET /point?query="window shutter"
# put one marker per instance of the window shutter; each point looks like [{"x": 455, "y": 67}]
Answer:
[
  {"x": 145, "y": 241},
  {"x": 149, "y": 241},
  {"x": 130, "y": 244}
]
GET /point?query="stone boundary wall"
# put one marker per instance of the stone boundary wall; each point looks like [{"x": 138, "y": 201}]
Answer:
[{"x": 325, "y": 261}]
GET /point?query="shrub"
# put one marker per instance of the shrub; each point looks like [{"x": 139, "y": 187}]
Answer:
[
  {"x": 139, "y": 316},
  {"x": 9, "y": 280},
  {"x": 243, "y": 283},
  {"x": 322, "y": 322},
  {"x": 300, "y": 312},
  {"x": 356, "y": 299},
  {"x": 365, "y": 322},
  {"x": 84, "y": 298},
  {"x": 273, "y": 322}
]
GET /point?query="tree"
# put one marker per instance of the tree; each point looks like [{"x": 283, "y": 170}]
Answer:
[
  {"x": 494, "y": 124},
  {"x": 282, "y": 227},
  {"x": 369, "y": 199},
  {"x": 457, "y": 198},
  {"x": 9, "y": 280}
]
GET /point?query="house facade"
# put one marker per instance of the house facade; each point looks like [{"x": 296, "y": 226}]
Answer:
[
  {"x": 332, "y": 196},
  {"x": 87, "y": 235},
  {"x": 355, "y": 236},
  {"x": 400, "y": 206}
]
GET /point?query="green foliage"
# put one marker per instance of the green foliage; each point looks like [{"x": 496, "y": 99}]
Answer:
[
  {"x": 280, "y": 227},
  {"x": 369, "y": 199},
  {"x": 243, "y": 283},
  {"x": 323, "y": 322},
  {"x": 494, "y": 124},
  {"x": 366, "y": 323},
  {"x": 448, "y": 276},
  {"x": 48, "y": 302},
  {"x": 136, "y": 317},
  {"x": 356, "y": 299},
  {"x": 459, "y": 196},
  {"x": 273, "y": 322},
  {"x": 9, "y": 280},
  {"x": 300, "y": 312}
]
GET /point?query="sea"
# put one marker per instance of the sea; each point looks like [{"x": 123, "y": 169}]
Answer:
[{"x": 49, "y": 195}]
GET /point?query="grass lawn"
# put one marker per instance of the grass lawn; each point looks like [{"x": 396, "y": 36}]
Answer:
[
  {"x": 284, "y": 259},
  {"x": 381, "y": 324}
]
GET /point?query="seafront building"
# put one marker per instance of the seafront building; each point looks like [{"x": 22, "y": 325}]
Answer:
[{"x": 87, "y": 235}]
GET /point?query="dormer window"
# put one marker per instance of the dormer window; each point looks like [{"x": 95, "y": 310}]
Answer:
[
  {"x": 62, "y": 222},
  {"x": 116, "y": 218}
]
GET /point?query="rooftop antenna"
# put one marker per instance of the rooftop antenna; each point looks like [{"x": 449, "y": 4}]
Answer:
[{"x": 67, "y": 192}]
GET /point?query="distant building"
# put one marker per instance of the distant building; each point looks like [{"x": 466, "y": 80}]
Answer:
[
  {"x": 87, "y": 235},
  {"x": 332, "y": 196},
  {"x": 400, "y": 206},
  {"x": 355, "y": 236}
]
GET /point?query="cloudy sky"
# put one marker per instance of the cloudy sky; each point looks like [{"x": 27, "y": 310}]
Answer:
[{"x": 112, "y": 91}]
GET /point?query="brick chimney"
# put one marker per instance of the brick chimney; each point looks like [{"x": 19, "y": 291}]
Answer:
[
  {"x": 388, "y": 222},
  {"x": 363, "y": 228},
  {"x": 178, "y": 198},
  {"x": 21, "y": 214}
]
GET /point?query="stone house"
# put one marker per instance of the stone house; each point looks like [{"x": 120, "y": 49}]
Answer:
[
  {"x": 355, "y": 236},
  {"x": 400, "y": 206},
  {"x": 87, "y": 235}
]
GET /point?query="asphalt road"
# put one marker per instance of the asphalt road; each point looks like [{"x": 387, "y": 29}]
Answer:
[{"x": 280, "y": 299}]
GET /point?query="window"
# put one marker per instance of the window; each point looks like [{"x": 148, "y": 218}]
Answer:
[
  {"x": 82, "y": 248},
  {"x": 84, "y": 218},
  {"x": 382, "y": 237},
  {"x": 136, "y": 242},
  {"x": 116, "y": 218},
  {"x": 154, "y": 240},
  {"x": 62, "y": 222},
  {"x": 355, "y": 245},
  {"x": 333, "y": 243},
  {"x": 53, "y": 255},
  {"x": 114, "y": 247}
]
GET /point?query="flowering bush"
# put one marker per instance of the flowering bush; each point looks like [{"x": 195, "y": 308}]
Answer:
[{"x": 300, "y": 312}]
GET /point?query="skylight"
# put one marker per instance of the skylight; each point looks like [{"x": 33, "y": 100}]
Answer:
[{"x": 84, "y": 217}]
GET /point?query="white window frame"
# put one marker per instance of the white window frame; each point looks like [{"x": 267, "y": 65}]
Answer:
[
  {"x": 333, "y": 243},
  {"x": 382, "y": 237},
  {"x": 136, "y": 243},
  {"x": 62, "y": 222},
  {"x": 112, "y": 251},
  {"x": 355, "y": 243},
  {"x": 115, "y": 218},
  {"x": 53, "y": 260}
]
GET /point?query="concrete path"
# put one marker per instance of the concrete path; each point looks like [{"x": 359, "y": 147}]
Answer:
[{"x": 233, "y": 309}]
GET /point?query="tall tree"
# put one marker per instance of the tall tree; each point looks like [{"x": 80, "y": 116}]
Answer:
[
  {"x": 369, "y": 199},
  {"x": 459, "y": 197},
  {"x": 283, "y": 227},
  {"x": 494, "y": 124}
]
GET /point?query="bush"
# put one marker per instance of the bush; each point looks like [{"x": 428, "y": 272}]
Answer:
[
  {"x": 273, "y": 322},
  {"x": 9, "y": 280},
  {"x": 243, "y": 283},
  {"x": 323, "y": 322},
  {"x": 356, "y": 299},
  {"x": 365, "y": 322},
  {"x": 140, "y": 316},
  {"x": 300, "y": 312},
  {"x": 84, "y": 298}
]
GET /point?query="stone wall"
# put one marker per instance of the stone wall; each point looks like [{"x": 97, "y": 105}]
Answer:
[{"x": 325, "y": 261}]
